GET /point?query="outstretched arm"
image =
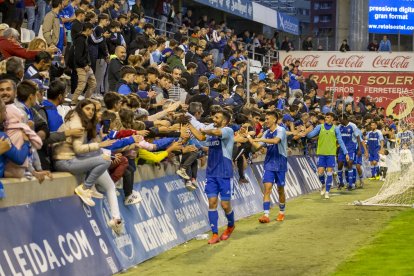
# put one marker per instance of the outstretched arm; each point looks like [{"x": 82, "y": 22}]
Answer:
[{"x": 314, "y": 132}]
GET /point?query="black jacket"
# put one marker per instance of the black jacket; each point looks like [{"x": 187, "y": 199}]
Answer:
[
  {"x": 140, "y": 42},
  {"x": 80, "y": 52},
  {"x": 190, "y": 80},
  {"x": 205, "y": 101},
  {"x": 307, "y": 45},
  {"x": 189, "y": 57},
  {"x": 114, "y": 76},
  {"x": 113, "y": 41},
  {"x": 77, "y": 28},
  {"x": 344, "y": 48},
  {"x": 129, "y": 33}
]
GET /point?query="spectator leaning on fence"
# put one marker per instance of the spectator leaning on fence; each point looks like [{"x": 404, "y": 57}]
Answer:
[{"x": 385, "y": 45}]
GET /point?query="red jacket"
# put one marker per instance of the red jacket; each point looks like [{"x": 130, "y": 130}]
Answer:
[
  {"x": 9, "y": 49},
  {"x": 29, "y": 3},
  {"x": 277, "y": 70}
]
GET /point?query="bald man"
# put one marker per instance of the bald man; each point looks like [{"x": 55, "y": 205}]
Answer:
[{"x": 115, "y": 66}]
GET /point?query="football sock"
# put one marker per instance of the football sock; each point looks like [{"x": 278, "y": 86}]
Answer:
[
  {"x": 322, "y": 178},
  {"x": 213, "y": 219},
  {"x": 341, "y": 176},
  {"x": 230, "y": 219},
  {"x": 377, "y": 170},
  {"x": 373, "y": 171},
  {"x": 282, "y": 208},
  {"x": 354, "y": 174},
  {"x": 347, "y": 176},
  {"x": 328, "y": 181},
  {"x": 350, "y": 177},
  {"x": 266, "y": 208}
]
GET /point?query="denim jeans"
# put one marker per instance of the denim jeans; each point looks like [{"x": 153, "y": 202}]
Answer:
[
  {"x": 93, "y": 167},
  {"x": 162, "y": 24},
  {"x": 96, "y": 170},
  {"x": 105, "y": 184},
  {"x": 41, "y": 12},
  {"x": 30, "y": 11}
]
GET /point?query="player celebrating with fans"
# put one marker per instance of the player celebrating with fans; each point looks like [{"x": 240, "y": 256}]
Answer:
[
  {"x": 275, "y": 164},
  {"x": 329, "y": 135},
  {"x": 219, "y": 171},
  {"x": 375, "y": 144}
]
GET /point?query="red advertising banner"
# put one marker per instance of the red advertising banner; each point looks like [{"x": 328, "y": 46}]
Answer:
[
  {"x": 350, "y": 61},
  {"x": 388, "y": 90}
]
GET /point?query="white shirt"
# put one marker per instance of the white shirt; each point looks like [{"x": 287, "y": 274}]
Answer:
[
  {"x": 406, "y": 156},
  {"x": 382, "y": 160}
]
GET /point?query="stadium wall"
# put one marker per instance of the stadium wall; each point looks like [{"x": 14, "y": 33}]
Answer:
[{"x": 61, "y": 236}]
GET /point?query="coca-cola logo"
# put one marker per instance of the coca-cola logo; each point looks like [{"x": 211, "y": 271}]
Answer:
[
  {"x": 394, "y": 62},
  {"x": 305, "y": 61},
  {"x": 353, "y": 61}
]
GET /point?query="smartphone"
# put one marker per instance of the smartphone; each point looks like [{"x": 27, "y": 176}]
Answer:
[{"x": 106, "y": 124}]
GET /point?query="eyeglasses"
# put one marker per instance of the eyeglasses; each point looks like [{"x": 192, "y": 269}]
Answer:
[{"x": 6, "y": 89}]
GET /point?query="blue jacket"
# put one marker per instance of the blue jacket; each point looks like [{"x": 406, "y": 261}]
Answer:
[
  {"x": 17, "y": 156},
  {"x": 120, "y": 143},
  {"x": 54, "y": 120}
]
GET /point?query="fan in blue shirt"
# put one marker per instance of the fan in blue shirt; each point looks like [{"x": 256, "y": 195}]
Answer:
[
  {"x": 219, "y": 173},
  {"x": 275, "y": 164},
  {"x": 375, "y": 144}
]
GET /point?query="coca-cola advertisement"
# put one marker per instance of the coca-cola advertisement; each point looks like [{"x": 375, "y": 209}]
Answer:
[
  {"x": 393, "y": 91},
  {"x": 353, "y": 61}
]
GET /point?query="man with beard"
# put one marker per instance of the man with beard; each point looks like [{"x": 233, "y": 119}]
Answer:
[
  {"x": 115, "y": 66},
  {"x": 219, "y": 173}
]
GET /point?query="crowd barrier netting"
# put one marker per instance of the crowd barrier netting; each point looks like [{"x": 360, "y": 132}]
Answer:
[{"x": 64, "y": 237}]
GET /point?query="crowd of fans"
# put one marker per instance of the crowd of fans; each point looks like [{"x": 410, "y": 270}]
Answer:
[{"x": 123, "y": 95}]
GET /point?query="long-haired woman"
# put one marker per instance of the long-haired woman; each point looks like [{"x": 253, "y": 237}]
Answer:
[{"x": 84, "y": 156}]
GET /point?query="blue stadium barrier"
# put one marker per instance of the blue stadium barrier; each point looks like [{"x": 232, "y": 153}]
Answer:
[{"x": 64, "y": 237}]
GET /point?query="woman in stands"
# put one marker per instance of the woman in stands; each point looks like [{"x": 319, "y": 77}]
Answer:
[
  {"x": 84, "y": 156},
  {"x": 7, "y": 150},
  {"x": 37, "y": 44}
]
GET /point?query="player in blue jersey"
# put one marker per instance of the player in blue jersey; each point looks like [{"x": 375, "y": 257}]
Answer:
[
  {"x": 375, "y": 142},
  {"x": 352, "y": 142},
  {"x": 219, "y": 173},
  {"x": 362, "y": 147},
  {"x": 275, "y": 164},
  {"x": 328, "y": 137}
]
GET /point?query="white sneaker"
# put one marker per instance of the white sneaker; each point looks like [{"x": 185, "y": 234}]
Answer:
[
  {"x": 85, "y": 195},
  {"x": 323, "y": 189},
  {"x": 182, "y": 173},
  {"x": 95, "y": 193},
  {"x": 116, "y": 225},
  {"x": 65, "y": 77},
  {"x": 189, "y": 186},
  {"x": 326, "y": 195},
  {"x": 133, "y": 198},
  {"x": 97, "y": 97},
  {"x": 119, "y": 184}
]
